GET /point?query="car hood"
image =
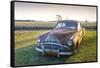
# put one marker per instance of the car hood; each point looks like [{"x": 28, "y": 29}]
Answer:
[{"x": 62, "y": 34}]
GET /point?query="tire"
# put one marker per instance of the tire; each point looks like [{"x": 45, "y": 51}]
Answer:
[{"x": 75, "y": 48}]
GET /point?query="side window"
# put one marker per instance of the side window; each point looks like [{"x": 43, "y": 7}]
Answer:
[{"x": 59, "y": 25}]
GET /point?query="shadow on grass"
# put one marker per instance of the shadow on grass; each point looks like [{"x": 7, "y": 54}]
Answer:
[
  {"x": 47, "y": 59},
  {"x": 29, "y": 56}
]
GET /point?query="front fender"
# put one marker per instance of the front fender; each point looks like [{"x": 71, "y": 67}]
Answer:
[{"x": 43, "y": 37}]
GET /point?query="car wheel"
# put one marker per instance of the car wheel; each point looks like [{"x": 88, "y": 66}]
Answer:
[{"x": 77, "y": 46}]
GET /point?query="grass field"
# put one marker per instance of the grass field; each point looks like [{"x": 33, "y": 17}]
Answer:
[
  {"x": 34, "y": 24},
  {"x": 25, "y": 54},
  {"x": 26, "y": 38}
]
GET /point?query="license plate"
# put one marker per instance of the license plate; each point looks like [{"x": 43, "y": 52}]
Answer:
[{"x": 51, "y": 53}]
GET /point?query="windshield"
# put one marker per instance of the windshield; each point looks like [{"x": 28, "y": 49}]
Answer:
[{"x": 66, "y": 25}]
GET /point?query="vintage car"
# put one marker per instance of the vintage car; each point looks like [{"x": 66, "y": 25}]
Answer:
[{"x": 64, "y": 39}]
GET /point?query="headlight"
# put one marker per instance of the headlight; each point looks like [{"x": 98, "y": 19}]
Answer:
[
  {"x": 69, "y": 42},
  {"x": 38, "y": 40}
]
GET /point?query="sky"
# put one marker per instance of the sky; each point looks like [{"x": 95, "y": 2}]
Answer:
[{"x": 48, "y": 12}]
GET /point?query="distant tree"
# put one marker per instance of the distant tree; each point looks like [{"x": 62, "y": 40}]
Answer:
[{"x": 59, "y": 17}]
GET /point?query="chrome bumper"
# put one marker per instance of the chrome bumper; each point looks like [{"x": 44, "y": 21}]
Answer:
[{"x": 55, "y": 51}]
